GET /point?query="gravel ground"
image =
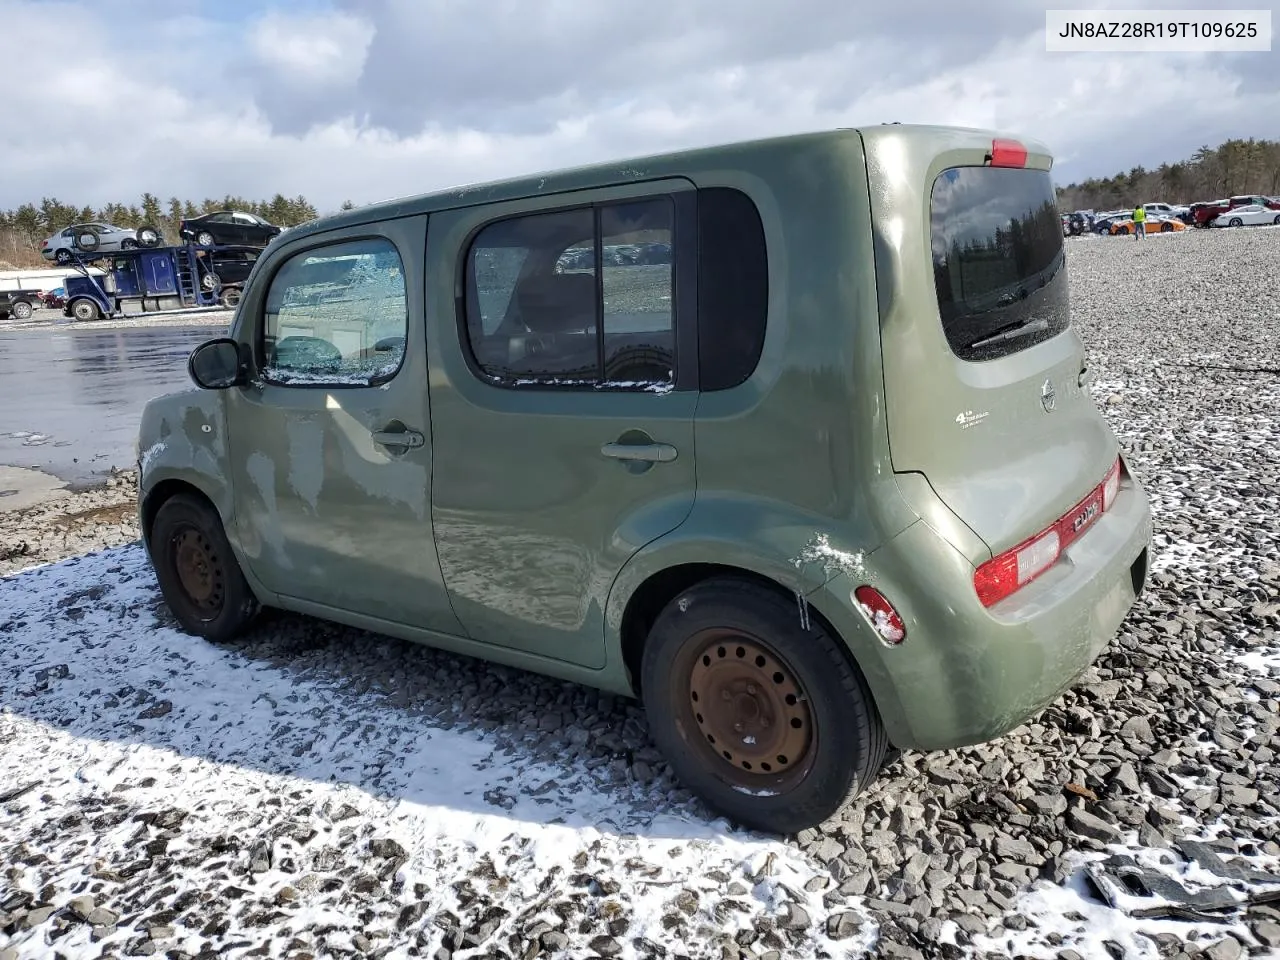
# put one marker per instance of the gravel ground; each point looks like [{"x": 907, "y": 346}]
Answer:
[{"x": 155, "y": 802}]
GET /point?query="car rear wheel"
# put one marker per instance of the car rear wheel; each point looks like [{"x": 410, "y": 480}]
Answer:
[
  {"x": 1276, "y": 221},
  {"x": 198, "y": 574},
  {"x": 760, "y": 714},
  {"x": 62, "y": 255},
  {"x": 20, "y": 310},
  {"x": 1166, "y": 228},
  {"x": 204, "y": 238},
  {"x": 1236, "y": 222},
  {"x": 85, "y": 310}
]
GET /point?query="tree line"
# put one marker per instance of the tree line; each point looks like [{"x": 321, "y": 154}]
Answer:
[
  {"x": 22, "y": 229},
  {"x": 1233, "y": 168}
]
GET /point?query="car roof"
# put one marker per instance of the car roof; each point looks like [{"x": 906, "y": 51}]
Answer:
[{"x": 654, "y": 166}]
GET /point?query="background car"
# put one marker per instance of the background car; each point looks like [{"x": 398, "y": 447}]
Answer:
[
  {"x": 1209, "y": 211},
  {"x": 1251, "y": 215},
  {"x": 228, "y": 227},
  {"x": 97, "y": 238},
  {"x": 1123, "y": 226}
]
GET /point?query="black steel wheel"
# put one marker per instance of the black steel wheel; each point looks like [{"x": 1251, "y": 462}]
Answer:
[
  {"x": 764, "y": 717},
  {"x": 197, "y": 570}
]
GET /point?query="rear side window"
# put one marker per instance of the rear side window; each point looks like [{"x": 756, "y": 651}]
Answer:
[
  {"x": 733, "y": 287},
  {"x": 998, "y": 260},
  {"x": 579, "y": 298}
]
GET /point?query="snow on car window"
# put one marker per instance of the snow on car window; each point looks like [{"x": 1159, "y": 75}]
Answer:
[{"x": 337, "y": 315}]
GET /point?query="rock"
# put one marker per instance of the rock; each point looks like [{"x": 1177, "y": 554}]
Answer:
[
  {"x": 1126, "y": 777},
  {"x": 1238, "y": 796},
  {"x": 555, "y": 941},
  {"x": 1087, "y": 825},
  {"x": 842, "y": 926},
  {"x": 387, "y": 849},
  {"x": 794, "y": 917},
  {"x": 1048, "y": 804},
  {"x": 35, "y": 917},
  {"x": 1228, "y": 948},
  {"x": 606, "y": 946},
  {"x": 101, "y": 917},
  {"x": 1020, "y": 850},
  {"x": 82, "y": 908},
  {"x": 1267, "y": 932},
  {"x": 1138, "y": 728}
]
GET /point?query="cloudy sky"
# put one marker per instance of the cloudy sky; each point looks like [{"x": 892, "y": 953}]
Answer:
[{"x": 369, "y": 99}]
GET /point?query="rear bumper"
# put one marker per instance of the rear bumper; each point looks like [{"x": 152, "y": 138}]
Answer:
[{"x": 966, "y": 674}]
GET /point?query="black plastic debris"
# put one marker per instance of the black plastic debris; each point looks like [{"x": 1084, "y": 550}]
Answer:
[{"x": 1124, "y": 884}]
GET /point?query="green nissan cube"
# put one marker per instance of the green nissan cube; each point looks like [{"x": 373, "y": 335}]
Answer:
[{"x": 789, "y": 439}]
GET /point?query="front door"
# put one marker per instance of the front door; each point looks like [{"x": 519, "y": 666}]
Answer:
[
  {"x": 562, "y": 410},
  {"x": 331, "y": 451}
]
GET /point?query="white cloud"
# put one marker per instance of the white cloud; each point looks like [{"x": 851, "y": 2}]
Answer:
[
  {"x": 324, "y": 49},
  {"x": 403, "y": 96}
]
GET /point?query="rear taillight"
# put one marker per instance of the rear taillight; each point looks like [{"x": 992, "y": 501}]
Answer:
[
  {"x": 881, "y": 614},
  {"x": 44, "y": 244},
  {"x": 1008, "y": 153},
  {"x": 1012, "y": 570},
  {"x": 1111, "y": 486}
]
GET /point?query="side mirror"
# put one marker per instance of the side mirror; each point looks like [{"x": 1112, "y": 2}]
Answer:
[{"x": 216, "y": 364}]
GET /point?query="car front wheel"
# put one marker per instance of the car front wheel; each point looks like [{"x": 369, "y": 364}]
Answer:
[
  {"x": 759, "y": 712},
  {"x": 198, "y": 574},
  {"x": 85, "y": 310},
  {"x": 1236, "y": 222},
  {"x": 204, "y": 239},
  {"x": 21, "y": 310}
]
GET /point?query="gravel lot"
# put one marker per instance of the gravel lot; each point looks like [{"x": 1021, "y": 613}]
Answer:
[{"x": 280, "y": 798}]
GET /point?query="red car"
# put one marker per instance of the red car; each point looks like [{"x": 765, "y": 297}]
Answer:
[{"x": 1204, "y": 213}]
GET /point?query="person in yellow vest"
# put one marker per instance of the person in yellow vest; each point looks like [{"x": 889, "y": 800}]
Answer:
[{"x": 1139, "y": 222}]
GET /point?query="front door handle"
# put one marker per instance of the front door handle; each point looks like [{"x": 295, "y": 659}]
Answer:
[
  {"x": 398, "y": 438},
  {"x": 649, "y": 452}
]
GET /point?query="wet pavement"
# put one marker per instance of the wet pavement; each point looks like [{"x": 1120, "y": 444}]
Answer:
[{"x": 71, "y": 398}]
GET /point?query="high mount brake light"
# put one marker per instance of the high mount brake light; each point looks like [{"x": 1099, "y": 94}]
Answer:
[
  {"x": 1008, "y": 153},
  {"x": 1012, "y": 570}
]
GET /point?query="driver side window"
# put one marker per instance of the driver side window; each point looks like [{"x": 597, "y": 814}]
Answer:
[{"x": 336, "y": 316}]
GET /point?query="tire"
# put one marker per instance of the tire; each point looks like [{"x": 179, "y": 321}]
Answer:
[
  {"x": 1235, "y": 222},
  {"x": 230, "y": 296},
  {"x": 198, "y": 574},
  {"x": 1166, "y": 228},
  {"x": 87, "y": 241},
  {"x": 148, "y": 236},
  {"x": 211, "y": 282},
  {"x": 747, "y": 642},
  {"x": 20, "y": 310},
  {"x": 62, "y": 255},
  {"x": 1276, "y": 221},
  {"x": 85, "y": 310},
  {"x": 204, "y": 239},
  {"x": 128, "y": 244}
]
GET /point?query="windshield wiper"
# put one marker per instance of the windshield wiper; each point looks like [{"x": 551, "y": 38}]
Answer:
[{"x": 1006, "y": 331}]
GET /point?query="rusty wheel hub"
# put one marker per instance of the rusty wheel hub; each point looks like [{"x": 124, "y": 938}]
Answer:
[
  {"x": 750, "y": 709},
  {"x": 199, "y": 569}
]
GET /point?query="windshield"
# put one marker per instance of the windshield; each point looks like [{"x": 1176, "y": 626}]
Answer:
[{"x": 998, "y": 260}]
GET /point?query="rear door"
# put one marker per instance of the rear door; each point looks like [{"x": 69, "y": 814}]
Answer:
[
  {"x": 986, "y": 378},
  {"x": 562, "y": 417}
]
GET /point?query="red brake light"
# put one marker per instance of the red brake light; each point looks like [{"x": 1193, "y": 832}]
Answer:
[
  {"x": 881, "y": 614},
  {"x": 1008, "y": 153},
  {"x": 1012, "y": 570}
]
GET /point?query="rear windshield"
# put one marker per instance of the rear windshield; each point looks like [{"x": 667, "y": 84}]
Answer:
[{"x": 998, "y": 260}]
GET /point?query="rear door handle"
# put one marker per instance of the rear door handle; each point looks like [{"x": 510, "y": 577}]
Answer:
[
  {"x": 398, "y": 438},
  {"x": 650, "y": 452}
]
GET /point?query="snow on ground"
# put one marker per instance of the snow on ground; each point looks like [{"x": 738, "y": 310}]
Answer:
[
  {"x": 314, "y": 791},
  {"x": 278, "y": 802}
]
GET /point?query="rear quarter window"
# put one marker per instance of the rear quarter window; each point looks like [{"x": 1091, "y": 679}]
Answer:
[{"x": 998, "y": 260}]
